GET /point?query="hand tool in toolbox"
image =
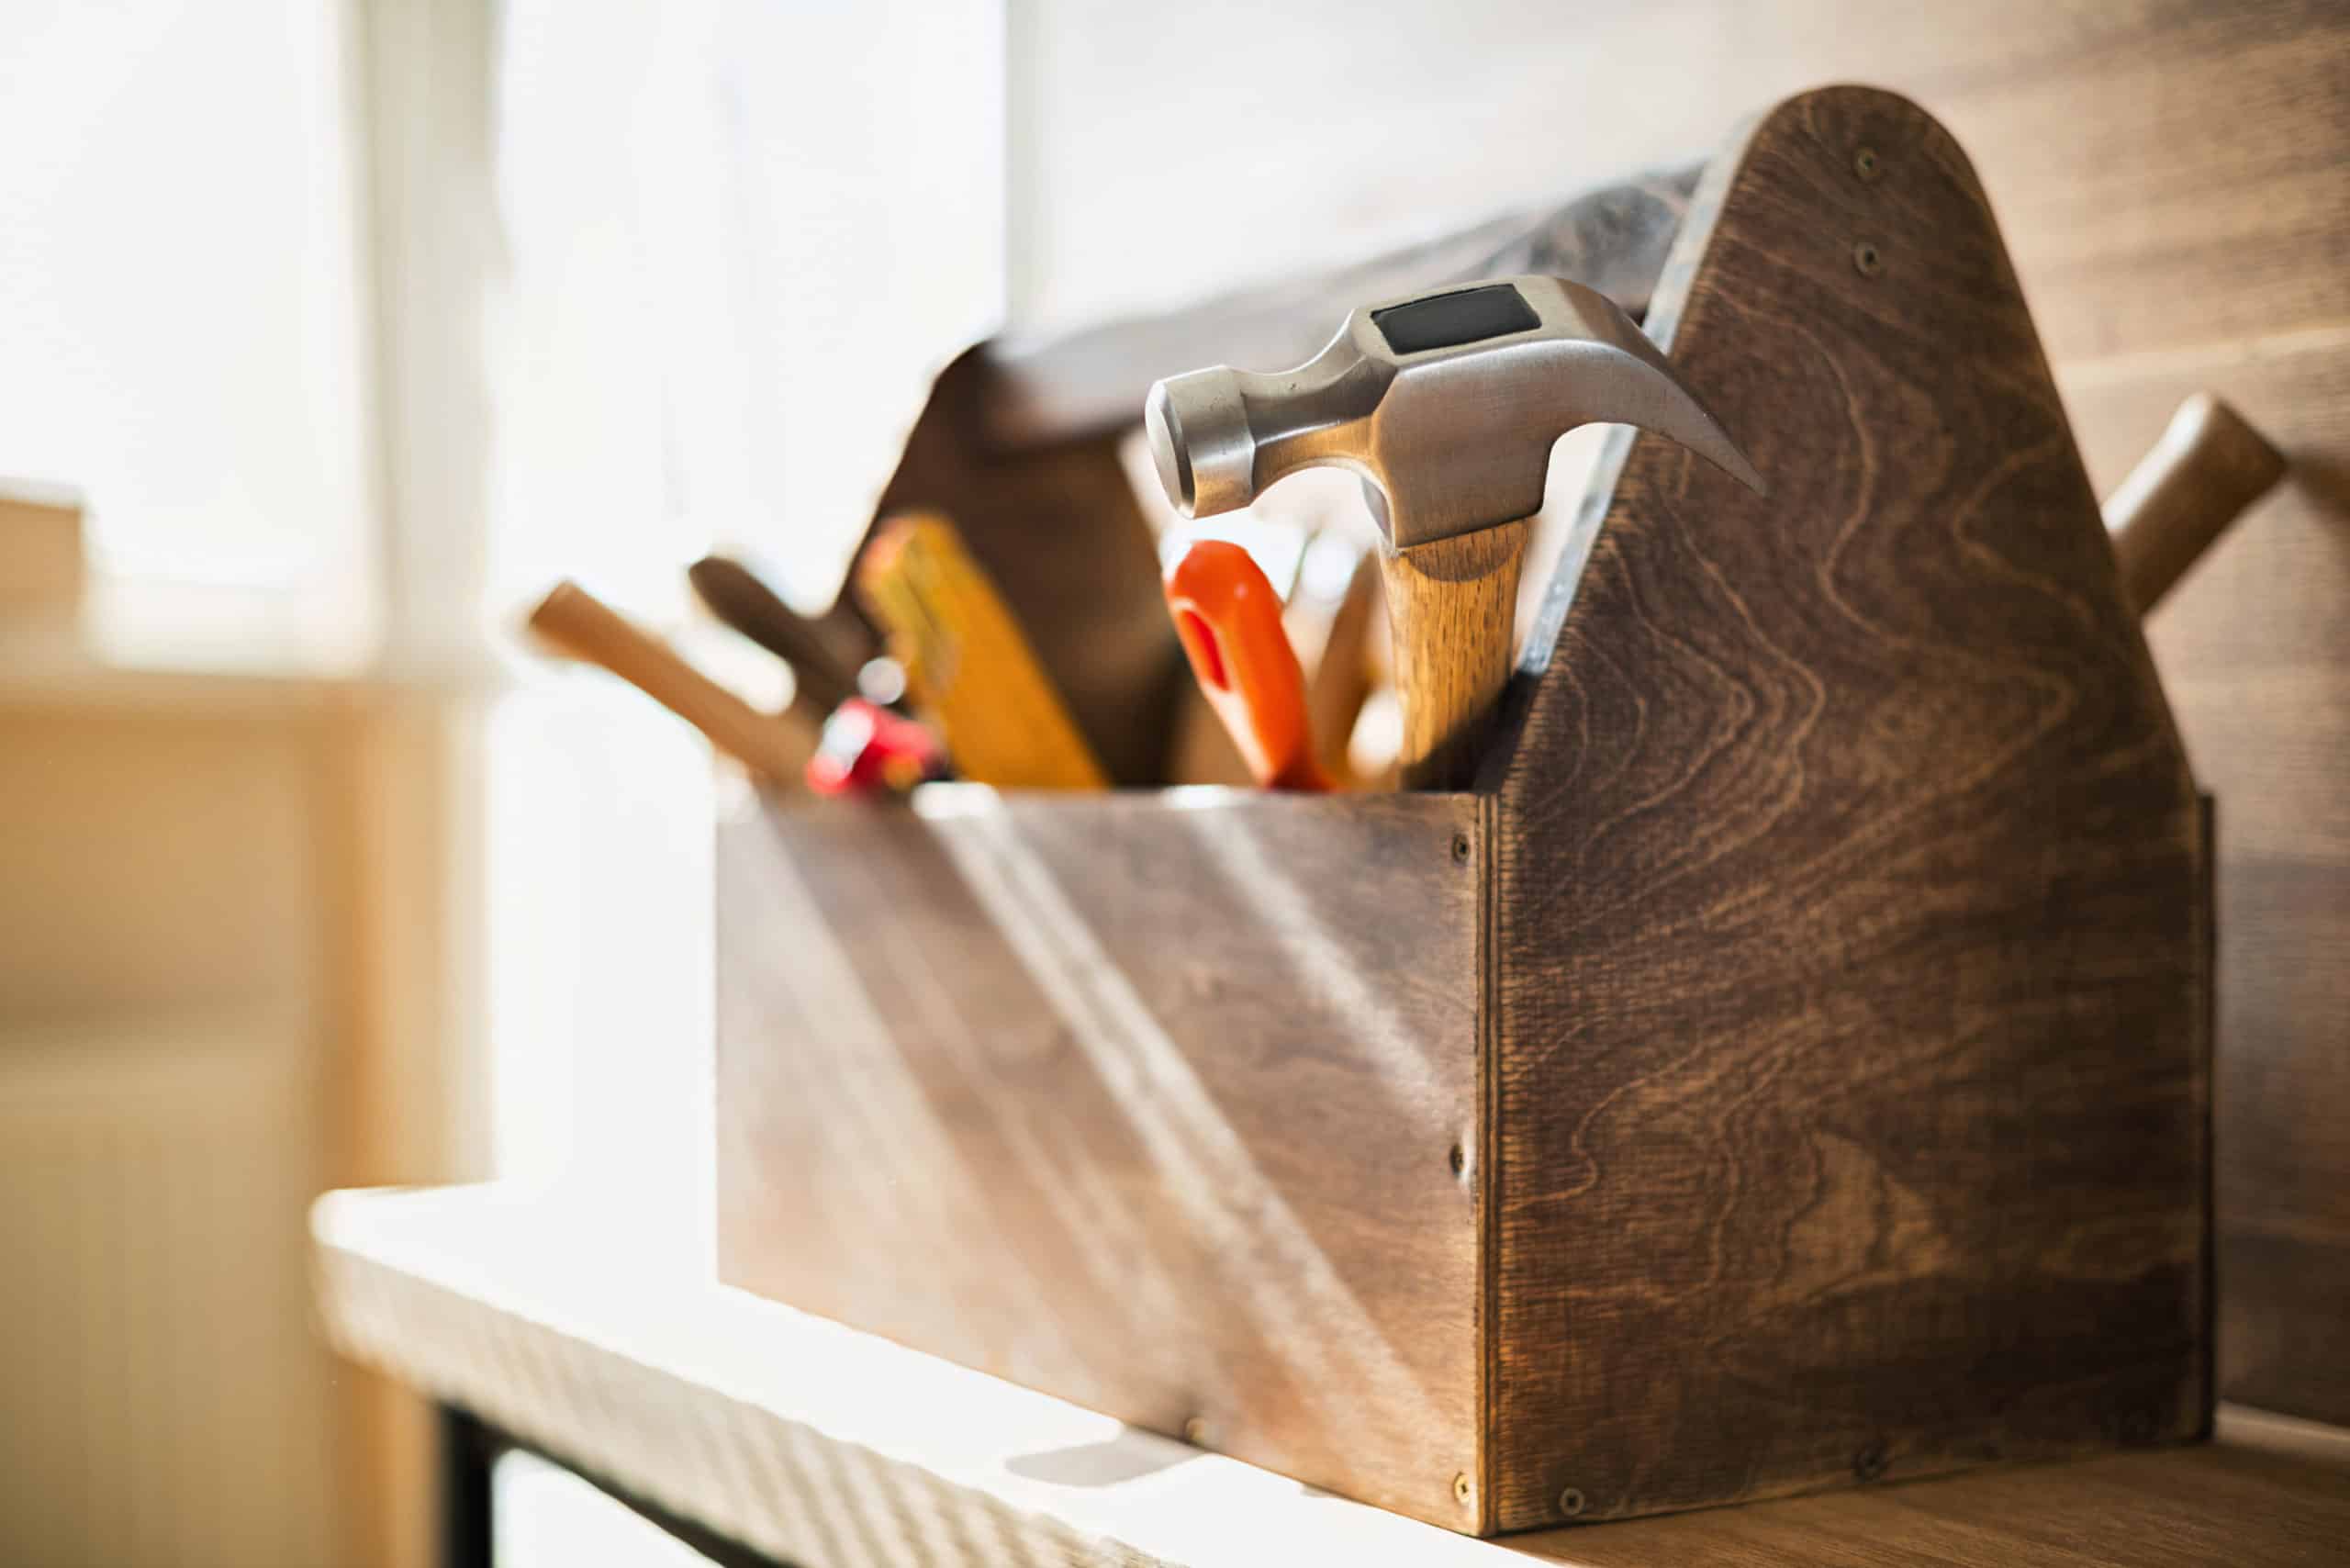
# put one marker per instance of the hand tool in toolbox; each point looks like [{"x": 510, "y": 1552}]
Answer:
[
  {"x": 1447, "y": 404},
  {"x": 1229, "y": 621},
  {"x": 867, "y": 750},
  {"x": 812, "y": 647},
  {"x": 2208, "y": 468},
  {"x": 1334, "y": 640},
  {"x": 577, "y": 623},
  {"x": 968, "y": 663}
]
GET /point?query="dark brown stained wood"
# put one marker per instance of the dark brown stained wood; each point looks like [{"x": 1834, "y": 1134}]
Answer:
[
  {"x": 1850, "y": 996},
  {"x": 1058, "y": 533},
  {"x": 1148, "y": 1102},
  {"x": 2254, "y": 648},
  {"x": 1613, "y": 238},
  {"x": 2261, "y": 1495}
]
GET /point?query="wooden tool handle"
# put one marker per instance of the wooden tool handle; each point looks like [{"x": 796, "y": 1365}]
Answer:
[
  {"x": 1451, "y": 614},
  {"x": 2206, "y": 468},
  {"x": 1338, "y": 678},
  {"x": 577, "y": 623},
  {"x": 968, "y": 663},
  {"x": 736, "y": 595}
]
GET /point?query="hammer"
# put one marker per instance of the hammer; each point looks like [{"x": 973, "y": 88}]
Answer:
[{"x": 1447, "y": 404}]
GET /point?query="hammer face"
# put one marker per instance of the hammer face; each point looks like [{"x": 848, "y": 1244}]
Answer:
[{"x": 1448, "y": 403}]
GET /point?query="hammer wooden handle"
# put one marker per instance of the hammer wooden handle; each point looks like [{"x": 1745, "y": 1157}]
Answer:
[
  {"x": 577, "y": 623},
  {"x": 1451, "y": 614},
  {"x": 2206, "y": 468}
]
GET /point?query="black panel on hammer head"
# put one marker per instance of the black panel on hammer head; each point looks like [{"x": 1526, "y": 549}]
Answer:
[{"x": 1450, "y": 320}]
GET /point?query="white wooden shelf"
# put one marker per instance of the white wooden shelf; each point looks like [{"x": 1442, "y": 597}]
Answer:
[{"x": 603, "y": 1343}]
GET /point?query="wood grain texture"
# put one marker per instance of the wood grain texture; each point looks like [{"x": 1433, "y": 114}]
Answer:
[
  {"x": 1058, "y": 532},
  {"x": 2254, "y": 648},
  {"x": 1153, "y": 1105},
  {"x": 1451, "y": 612},
  {"x": 1848, "y": 906},
  {"x": 2206, "y": 468},
  {"x": 593, "y": 1337}
]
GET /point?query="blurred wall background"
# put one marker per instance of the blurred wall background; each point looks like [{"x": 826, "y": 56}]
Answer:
[{"x": 355, "y": 322}]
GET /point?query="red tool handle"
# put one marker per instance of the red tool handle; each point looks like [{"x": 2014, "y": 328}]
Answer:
[{"x": 1229, "y": 621}]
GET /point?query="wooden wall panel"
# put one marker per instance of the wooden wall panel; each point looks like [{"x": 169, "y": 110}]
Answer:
[{"x": 2254, "y": 648}]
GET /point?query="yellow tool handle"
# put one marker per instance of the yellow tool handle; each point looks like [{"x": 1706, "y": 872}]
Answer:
[
  {"x": 968, "y": 663},
  {"x": 577, "y": 623}
]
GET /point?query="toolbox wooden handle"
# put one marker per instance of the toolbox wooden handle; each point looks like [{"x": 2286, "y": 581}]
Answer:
[
  {"x": 577, "y": 623},
  {"x": 2208, "y": 466},
  {"x": 1451, "y": 614}
]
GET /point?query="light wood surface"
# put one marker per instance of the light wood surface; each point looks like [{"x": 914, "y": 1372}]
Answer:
[
  {"x": 815, "y": 1444},
  {"x": 576, "y": 622},
  {"x": 2206, "y": 468},
  {"x": 40, "y": 562},
  {"x": 1451, "y": 614},
  {"x": 1174, "y": 1097},
  {"x": 1851, "y": 994}
]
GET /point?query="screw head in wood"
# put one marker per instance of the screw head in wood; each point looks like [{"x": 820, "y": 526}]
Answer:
[
  {"x": 1458, "y": 1159},
  {"x": 1866, "y": 164},
  {"x": 1870, "y": 1462},
  {"x": 1462, "y": 1492},
  {"x": 1570, "y": 1502},
  {"x": 1866, "y": 260},
  {"x": 1460, "y": 847}
]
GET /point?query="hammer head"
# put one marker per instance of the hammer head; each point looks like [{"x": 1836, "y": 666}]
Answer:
[{"x": 1445, "y": 403}]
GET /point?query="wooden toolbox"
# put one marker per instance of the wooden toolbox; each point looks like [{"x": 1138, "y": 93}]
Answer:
[{"x": 1788, "y": 1067}]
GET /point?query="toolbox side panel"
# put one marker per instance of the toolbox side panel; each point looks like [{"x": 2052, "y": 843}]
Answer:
[
  {"x": 1852, "y": 1056},
  {"x": 1151, "y": 1102}
]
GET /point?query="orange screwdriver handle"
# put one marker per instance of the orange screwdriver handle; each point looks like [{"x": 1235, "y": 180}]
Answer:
[{"x": 1229, "y": 621}]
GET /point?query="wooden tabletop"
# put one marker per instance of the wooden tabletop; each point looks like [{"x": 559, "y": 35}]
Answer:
[{"x": 603, "y": 1343}]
